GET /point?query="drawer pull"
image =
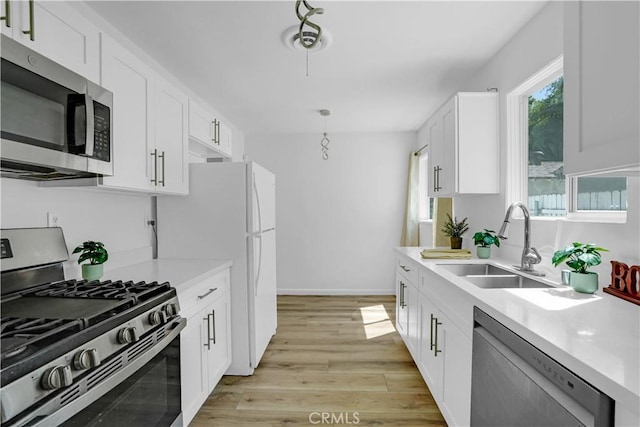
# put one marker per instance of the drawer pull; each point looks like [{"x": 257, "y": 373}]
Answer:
[
  {"x": 210, "y": 292},
  {"x": 405, "y": 268}
]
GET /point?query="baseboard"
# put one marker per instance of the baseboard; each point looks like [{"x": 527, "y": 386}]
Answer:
[{"x": 336, "y": 292}]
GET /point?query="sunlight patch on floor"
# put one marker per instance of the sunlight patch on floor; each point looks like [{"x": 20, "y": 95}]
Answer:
[{"x": 376, "y": 322}]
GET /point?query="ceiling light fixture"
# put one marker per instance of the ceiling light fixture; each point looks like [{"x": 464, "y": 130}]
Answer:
[
  {"x": 307, "y": 35},
  {"x": 324, "y": 142},
  {"x": 308, "y": 39}
]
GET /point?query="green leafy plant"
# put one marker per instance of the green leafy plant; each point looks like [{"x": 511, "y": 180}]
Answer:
[
  {"x": 486, "y": 238},
  {"x": 579, "y": 256},
  {"x": 95, "y": 252},
  {"x": 455, "y": 228}
]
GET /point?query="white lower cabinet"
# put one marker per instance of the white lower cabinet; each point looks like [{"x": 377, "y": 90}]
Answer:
[
  {"x": 205, "y": 347},
  {"x": 407, "y": 303},
  {"x": 431, "y": 319},
  {"x": 445, "y": 362}
]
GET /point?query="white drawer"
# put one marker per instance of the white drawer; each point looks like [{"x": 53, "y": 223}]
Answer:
[
  {"x": 407, "y": 268},
  {"x": 200, "y": 295}
]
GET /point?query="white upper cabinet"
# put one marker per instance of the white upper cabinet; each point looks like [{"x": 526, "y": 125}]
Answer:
[
  {"x": 55, "y": 30},
  {"x": 464, "y": 146},
  {"x": 149, "y": 126},
  {"x": 208, "y": 136},
  {"x": 170, "y": 172},
  {"x": 132, "y": 83},
  {"x": 601, "y": 86}
]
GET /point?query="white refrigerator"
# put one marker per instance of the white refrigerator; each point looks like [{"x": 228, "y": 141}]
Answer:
[{"x": 230, "y": 214}]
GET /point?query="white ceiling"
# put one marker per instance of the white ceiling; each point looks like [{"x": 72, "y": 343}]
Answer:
[{"x": 390, "y": 64}]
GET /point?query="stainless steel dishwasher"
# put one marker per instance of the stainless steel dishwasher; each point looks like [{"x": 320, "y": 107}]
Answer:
[{"x": 515, "y": 384}]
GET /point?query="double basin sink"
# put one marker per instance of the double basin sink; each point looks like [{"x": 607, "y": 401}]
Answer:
[{"x": 488, "y": 276}]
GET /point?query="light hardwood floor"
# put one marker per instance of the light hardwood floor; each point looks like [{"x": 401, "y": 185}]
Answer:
[{"x": 335, "y": 360}]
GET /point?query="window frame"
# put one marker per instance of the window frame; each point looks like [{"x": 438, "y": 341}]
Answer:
[{"x": 517, "y": 115}]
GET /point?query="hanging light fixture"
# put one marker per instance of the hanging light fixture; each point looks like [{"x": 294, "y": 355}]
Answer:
[
  {"x": 324, "y": 142},
  {"x": 308, "y": 39},
  {"x": 307, "y": 35}
]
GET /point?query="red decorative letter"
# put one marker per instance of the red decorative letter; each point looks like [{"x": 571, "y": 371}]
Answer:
[{"x": 618, "y": 275}]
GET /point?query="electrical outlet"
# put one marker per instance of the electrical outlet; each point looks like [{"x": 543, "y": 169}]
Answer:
[
  {"x": 53, "y": 219},
  {"x": 148, "y": 221}
]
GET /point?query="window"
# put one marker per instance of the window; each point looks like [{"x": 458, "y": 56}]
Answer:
[
  {"x": 535, "y": 169},
  {"x": 425, "y": 208}
]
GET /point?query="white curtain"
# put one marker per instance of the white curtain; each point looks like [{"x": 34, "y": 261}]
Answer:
[{"x": 410, "y": 226}]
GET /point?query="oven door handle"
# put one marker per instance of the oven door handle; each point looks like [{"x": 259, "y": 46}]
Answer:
[{"x": 49, "y": 414}]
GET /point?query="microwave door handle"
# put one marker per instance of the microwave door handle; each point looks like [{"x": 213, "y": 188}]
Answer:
[{"x": 89, "y": 137}]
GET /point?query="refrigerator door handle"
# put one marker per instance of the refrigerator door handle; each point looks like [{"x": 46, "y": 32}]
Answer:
[
  {"x": 257, "y": 278},
  {"x": 257, "y": 196}
]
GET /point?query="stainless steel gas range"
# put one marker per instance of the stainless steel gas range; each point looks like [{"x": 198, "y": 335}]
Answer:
[{"x": 83, "y": 353}]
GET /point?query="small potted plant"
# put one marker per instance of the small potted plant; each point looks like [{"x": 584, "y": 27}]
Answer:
[
  {"x": 455, "y": 229},
  {"x": 483, "y": 241},
  {"x": 96, "y": 254},
  {"x": 579, "y": 257}
]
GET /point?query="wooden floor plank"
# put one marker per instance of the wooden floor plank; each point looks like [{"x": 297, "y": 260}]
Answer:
[{"x": 334, "y": 360}]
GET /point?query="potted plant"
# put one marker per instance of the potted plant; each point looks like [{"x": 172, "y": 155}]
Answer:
[
  {"x": 580, "y": 256},
  {"x": 483, "y": 241},
  {"x": 455, "y": 229},
  {"x": 96, "y": 254}
]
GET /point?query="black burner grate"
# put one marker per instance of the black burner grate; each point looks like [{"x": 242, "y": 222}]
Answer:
[
  {"x": 18, "y": 334},
  {"x": 115, "y": 290}
]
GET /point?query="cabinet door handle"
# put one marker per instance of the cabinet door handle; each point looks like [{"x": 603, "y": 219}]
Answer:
[
  {"x": 207, "y": 342},
  {"x": 218, "y": 132},
  {"x": 213, "y": 314},
  {"x": 436, "y": 350},
  {"x": 7, "y": 14},
  {"x": 32, "y": 23},
  {"x": 435, "y": 173},
  {"x": 208, "y": 293},
  {"x": 431, "y": 332},
  {"x": 154, "y": 179},
  {"x": 437, "y": 170},
  {"x": 212, "y": 130},
  {"x": 402, "y": 302},
  {"x": 162, "y": 157}
]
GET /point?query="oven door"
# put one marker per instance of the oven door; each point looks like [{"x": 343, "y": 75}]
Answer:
[
  {"x": 148, "y": 398},
  {"x": 139, "y": 387}
]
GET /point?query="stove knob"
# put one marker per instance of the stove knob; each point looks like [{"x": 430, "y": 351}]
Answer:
[
  {"x": 57, "y": 377},
  {"x": 86, "y": 359},
  {"x": 171, "y": 309},
  {"x": 157, "y": 318},
  {"x": 128, "y": 335}
]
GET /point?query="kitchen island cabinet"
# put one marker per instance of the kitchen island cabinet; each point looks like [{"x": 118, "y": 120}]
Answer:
[{"x": 581, "y": 332}]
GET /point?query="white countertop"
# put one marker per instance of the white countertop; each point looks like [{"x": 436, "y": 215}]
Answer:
[
  {"x": 180, "y": 273},
  {"x": 596, "y": 336}
]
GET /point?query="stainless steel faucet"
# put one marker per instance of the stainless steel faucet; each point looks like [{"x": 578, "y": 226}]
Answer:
[{"x": 530, "y": 256}]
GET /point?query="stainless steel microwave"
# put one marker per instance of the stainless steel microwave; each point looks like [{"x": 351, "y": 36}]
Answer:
[{"x": 55, "y": 124}]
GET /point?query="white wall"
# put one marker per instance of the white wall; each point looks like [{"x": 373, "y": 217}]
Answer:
[
  {"x": 337, "y": 220},
  {"x": 535, "y": 46},
  {"x": 117, "y": 220}
]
